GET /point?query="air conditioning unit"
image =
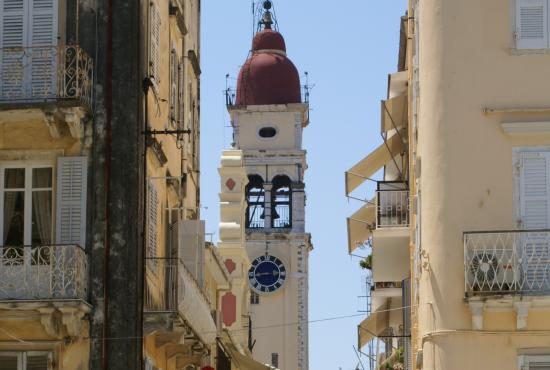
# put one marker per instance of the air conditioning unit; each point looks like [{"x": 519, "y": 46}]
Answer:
[{"x": 488, "y": 273}]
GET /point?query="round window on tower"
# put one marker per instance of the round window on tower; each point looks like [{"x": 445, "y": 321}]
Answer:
[{"x": 267, "y": 132}]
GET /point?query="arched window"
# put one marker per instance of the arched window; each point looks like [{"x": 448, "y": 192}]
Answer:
[
  {"x": 281, "y": 198},
  {"x": 255, "y": 197}
]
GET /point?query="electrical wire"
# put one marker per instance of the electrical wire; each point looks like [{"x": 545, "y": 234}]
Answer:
[{"x": 326, "y": 319}]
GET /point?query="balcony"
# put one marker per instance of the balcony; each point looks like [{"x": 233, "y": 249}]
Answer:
[
  {"x": 51, "y": 272},
  {"x": 46, "y": 74},
  {"x": 49, "y": 84},
  {"x": 170, "y": 289},
  {"x": 392, "y": 204},
  {"x": 507, "y": 263}
]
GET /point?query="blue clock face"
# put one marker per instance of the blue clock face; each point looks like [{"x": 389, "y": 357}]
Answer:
[{"x": 267, "y": 274}]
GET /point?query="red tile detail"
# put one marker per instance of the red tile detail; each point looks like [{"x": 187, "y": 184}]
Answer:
[
  {"x": 229, "y": 309},
  {"x": 230, "y": 184},
  {"x": 230, "y": 265}
]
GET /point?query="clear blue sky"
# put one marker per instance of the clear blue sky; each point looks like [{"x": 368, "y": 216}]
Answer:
[{"x": 348, "y": 48}]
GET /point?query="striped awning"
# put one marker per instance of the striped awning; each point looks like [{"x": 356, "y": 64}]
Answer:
[
  {"x": 360, "y": 225},
  {"x": 368, "y": 166}
]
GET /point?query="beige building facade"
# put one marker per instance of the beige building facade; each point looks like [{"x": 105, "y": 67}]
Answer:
[{"x": 476, "y": 147}]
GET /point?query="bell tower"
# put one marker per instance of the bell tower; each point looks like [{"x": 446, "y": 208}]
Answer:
[{"x": 268, "y": 119}]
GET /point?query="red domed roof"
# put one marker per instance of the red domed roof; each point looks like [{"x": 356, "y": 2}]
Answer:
[
  {"x": 268, "y": 40},
  {"x": 268, "y": 76}
]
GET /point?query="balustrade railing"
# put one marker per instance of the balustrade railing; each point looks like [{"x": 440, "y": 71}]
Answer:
[
  {"x": 392, "y": 205},
  {"x": 507, "y": 262},
  {"x": 43, "y": 272},
  {"x": 45, "y": 73}
]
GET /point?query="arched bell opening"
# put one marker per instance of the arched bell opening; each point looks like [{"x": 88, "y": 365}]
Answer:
[
  {"x": 281, "y": 200},
  {"x": 255, "y": 198}
]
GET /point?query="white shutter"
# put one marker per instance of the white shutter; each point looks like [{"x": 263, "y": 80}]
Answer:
[
  {"x": 174, "y": 86},
  {"x": 534, "y": 190},
  {"x": 534, "y": 211},
  {"x": 43, "y": 40},
  {"x": 152, "y": 220},
  {"x": 155, "y": 23},
  {"x": 13, "y": 36},
  {"x": 532, "y": 24},
  {"x": 71, "y": 200}
]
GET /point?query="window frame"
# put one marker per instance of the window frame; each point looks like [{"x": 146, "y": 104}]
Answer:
[
  {"x": 515, "y": 6},
  {"x": 23, "y": 355},
  {"x": 28, "y": 191},
  {"x": 525, "y": 361}
]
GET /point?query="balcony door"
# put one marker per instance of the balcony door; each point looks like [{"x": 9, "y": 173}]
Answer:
[
  {"x": 26, "y": 227},
  {"x": 28, "y": 44},
  {"x": 534, "y": 199}
]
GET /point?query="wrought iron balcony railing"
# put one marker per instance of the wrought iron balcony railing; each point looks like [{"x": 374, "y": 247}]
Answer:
[
  {"x": 45, "y": 74},
  {"x": 392, "y": 201},
  {"x": 507, "y": 262},
  {"x": 43, "y": 272}
]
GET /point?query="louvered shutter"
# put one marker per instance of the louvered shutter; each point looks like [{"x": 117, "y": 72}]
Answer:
[
  {"x": 37, "y": 361},
  {"x": 535, "y": 214},
  {"x": 71, "y": 200},
  {"x": 44, "y": 54},
  {"x": 174, "y": 86},
  {"x": 155, "y": 24},
  {"x": 152, "y": 220},
  {"x": 532, "y": 24},
  {"x": 10, "y": 361},
  {"x": 181, "y": 93},
  {"x": 13, "y": 37}
]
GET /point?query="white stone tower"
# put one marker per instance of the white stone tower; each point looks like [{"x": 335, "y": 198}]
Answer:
[{"x": 268, "y": 118}]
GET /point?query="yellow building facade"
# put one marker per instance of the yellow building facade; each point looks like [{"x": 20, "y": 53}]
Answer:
[{"x": 474, "y": 261}]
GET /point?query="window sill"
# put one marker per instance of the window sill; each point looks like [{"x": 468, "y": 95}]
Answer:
[{"x": 516, "y": 51}]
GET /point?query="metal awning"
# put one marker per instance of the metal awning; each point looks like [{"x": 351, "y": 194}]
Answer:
[
  {"x": 240, "y": 360},
  {"x": 368, "y": 166},
  {"x": 394, "y": 113},
  {"x": 360, "y": 225},
  {"x": 373, "y": 326}
]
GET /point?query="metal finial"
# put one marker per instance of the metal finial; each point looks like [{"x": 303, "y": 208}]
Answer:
[{"x": 267, "y": 5}]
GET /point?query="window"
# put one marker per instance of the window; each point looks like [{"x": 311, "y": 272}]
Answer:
[
  {"x": 255, "y": 197},
  {"x": 275, "y": 359},
  {"x": 28, "y": 39},
  {"x": 153, "y": 205},
  {"x": 154, "y": 41},
  {"x": 532, "y": 24},
  {"x": 254, "y": 297},
  {"x": 534, "y": 362},
  {"x": 26, "y": 201},
  {"x": 267, "y": 132},
  {"x": 174, "y": 87},
  {"x": 281, "y": 213},
  {"x": 26, "y": 360}
]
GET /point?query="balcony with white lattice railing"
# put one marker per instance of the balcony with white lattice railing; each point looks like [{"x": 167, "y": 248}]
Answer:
[
  {"x": 46, "y": 272},
  {"x": 507, "y": 262},
  {"x": 507, "y": 270}
]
